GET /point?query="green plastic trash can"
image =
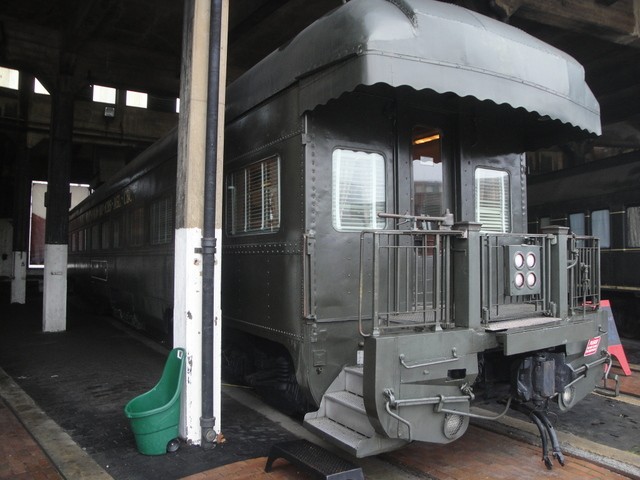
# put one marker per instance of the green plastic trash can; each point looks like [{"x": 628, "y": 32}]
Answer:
[{"x": 155, "y": 415}]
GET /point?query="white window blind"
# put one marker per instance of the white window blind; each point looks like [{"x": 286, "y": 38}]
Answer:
[
  {"x": 358, "y": 190},
  {"x": 493, "y": 200},
  {"x": 161, "y": 221},
  {"x": 254, "y": 198}
]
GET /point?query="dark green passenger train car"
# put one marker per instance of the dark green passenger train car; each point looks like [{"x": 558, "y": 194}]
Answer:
[{"x": 376, "y": 230}]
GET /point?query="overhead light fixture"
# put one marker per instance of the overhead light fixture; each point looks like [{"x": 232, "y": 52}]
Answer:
[{"x": 430, "y": 138}]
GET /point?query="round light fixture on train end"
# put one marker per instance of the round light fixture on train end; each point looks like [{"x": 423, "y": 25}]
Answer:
[
  {"x": 518, "y": 260},
  {"x": 518, "y": 280},
  {"x": 452, "y": 425},
  {"x": 531, "y": 260},
  {"x": 531, "y": 279},
  {"x": 566, "y": 398}
]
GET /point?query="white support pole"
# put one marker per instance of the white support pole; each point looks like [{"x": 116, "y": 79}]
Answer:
[
  {"x": 19, "y": 278},
  {"x": 187, "y": 319},
  {"x": 54, "y": 308}
]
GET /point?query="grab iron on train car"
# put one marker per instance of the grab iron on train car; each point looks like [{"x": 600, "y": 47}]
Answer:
[{"x": 376, "y": 265}]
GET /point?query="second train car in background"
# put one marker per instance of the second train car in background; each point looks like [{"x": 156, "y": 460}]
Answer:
[
  {"x": 601, "y": 199},
  {"x": 376, "y": 263}
]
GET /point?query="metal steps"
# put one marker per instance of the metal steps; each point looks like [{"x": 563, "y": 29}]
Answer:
[{"x": 342, "y": 418}]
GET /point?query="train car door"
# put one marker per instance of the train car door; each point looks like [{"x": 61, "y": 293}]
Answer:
[
  {"x": 423, "y": 184},
  {"x": 424, "y": 165}
]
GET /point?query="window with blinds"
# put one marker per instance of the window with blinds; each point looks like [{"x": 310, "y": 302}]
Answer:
[
  {"x": 161, "y": 221},
  {"x": 253, "y": 202},
  {"x": 136, "y": 227},
  {"x": 105, "y": 244},
  {"x": 358, "y": 190},
  {"x": 116, "y": 232},
  {"x": 633, "y": 227},
  {"x": 95, "y": 237},
  {"x": 493, "y": 200}
]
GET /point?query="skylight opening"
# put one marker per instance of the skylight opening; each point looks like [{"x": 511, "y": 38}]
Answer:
[
  {"x": 104, "y": 94},
  {"x": 136, "y": 99},
  {"x": 9, "y": 78}
]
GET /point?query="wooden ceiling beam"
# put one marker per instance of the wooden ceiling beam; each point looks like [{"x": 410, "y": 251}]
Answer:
[{"x": 617, "y": 22}]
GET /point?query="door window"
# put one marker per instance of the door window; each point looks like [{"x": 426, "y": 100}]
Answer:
[{"x": 427, "y": 172}]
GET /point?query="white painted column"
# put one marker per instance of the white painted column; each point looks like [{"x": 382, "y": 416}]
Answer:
[
  {"x": 54, "y": 301},
  {"x": 187, "y": 311},
  {"x": 187, "y": 322},
  {"x": 58, "y": 201},
  {"x": 19, "y": 278}
]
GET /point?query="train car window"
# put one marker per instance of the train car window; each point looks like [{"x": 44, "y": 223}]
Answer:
[
  {"x": 576, "y": 223},
  {"x": 161, "y": 221},
  {"x": 95, "y": 237},
  {"x": 253, "y": 203},
  {"x": 493, "y": 200},
  {"x": 427, "y": 171},
  {"x": 105, "y": 235},
  {"x": 81, "y": 241},
  {"x": 74, "y": 242},
  {"x": 633, "y": 227},
  {"x": 116, "y": 232},
  {"x": 358, "y": 186},
  {"x": 137, "y": 227},
  {"x": 600, "y": 227}
]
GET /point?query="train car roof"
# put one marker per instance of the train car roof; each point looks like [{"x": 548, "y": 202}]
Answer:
[
  {"x": 426, "y": 45},
  {"x": 163, "y": 149}
]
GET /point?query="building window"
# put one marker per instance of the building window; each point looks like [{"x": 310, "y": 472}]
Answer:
[
  {"x": 9, "y": 78},
  {"x": 161, "y": 221},
  {"x": 253, "y": 204},
  {"x": 493, "y": 200},
  {"x": 633, "y": 227},
  {"x": 576, "y": 224},
  {"x": 104, "y": 94},
  {"x": 39, "y": 88},
  {"x": 136, "y": 99},
  {"x": 358, "y": 190},
  {"x": 600, "y": 227}
]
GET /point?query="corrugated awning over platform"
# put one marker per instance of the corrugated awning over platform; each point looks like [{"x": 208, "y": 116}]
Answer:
[{"x": 425, "y": 45}]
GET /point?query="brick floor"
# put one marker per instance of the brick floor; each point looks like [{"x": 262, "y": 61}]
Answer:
[{"x": 20, "y": 456}]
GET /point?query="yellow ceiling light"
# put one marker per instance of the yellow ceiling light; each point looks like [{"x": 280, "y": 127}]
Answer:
[{"x": 430, "y": 138}]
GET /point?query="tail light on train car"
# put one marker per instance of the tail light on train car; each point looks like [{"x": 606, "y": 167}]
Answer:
[{"x": 522, "y": 267}]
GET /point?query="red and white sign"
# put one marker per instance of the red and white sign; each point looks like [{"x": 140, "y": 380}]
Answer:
[{"x": 592, "y": 346}]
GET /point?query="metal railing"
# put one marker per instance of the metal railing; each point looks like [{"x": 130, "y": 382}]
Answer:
[
  {"x": 406, "y": 278},
  {"x": 583, "y": 267},
  {"x": 407, "y": 283}
]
